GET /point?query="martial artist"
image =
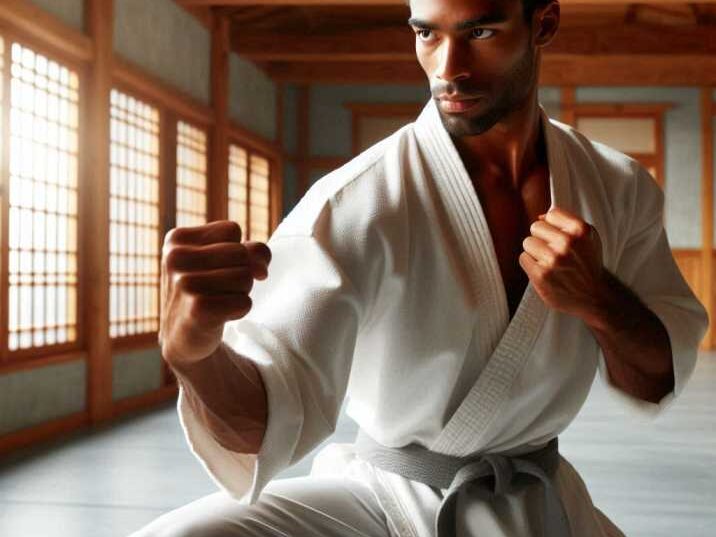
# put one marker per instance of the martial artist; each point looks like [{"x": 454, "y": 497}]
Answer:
[{"x": 460, "y": 283}]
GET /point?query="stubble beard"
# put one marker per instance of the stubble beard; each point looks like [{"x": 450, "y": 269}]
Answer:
[{"x": 519, "y": 83}]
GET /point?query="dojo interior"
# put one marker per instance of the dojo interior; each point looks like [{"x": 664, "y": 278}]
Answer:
[{"x": 122, "y": 119}]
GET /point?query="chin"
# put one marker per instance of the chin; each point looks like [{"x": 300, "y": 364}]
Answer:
[{"x": 461, "y": 126}]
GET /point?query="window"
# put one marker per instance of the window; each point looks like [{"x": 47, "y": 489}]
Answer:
[
  {"x": 134, "y": 216},
  {"x": 259, "y": 180},
  {"x": 43, "y": 199},
  {"x": 249, "y": 193},
  {"x": 238, "y": 186},
  {"x": 633, "y": 129},
  {"x": 191, "y": 176}
]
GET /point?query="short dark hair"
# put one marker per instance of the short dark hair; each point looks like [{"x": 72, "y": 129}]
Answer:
[{"x": 528, "y": 6}]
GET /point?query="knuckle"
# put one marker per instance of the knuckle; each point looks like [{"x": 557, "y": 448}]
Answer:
[
  {"x": 232, "y": 228},
  {"x": 173, "y": 255},
  {"x": 173, "y": 236}
]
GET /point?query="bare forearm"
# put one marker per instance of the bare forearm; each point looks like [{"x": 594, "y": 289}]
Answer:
[
  {"x": 635, "y": 343},
  {"x": 229, "y": 397}
]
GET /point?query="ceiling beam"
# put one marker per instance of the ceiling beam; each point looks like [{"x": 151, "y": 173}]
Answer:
[
  {"x": 556, "y": 70},
  {"x": 392, "y": 2},
  {"x": 398, "y": 44}
]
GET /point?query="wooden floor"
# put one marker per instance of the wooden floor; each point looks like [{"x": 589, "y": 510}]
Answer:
[{"x": 654, "y": 480}]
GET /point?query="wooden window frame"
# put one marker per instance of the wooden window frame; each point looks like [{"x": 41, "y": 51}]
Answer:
[
  {"x": 654, "y": 111},
  {"x": 47, "y": 354}
]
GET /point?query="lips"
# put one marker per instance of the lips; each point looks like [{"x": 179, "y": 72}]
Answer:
[{"x": 458, "y": 105}]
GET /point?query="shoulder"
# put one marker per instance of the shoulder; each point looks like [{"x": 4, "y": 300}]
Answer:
[{"x": 350, "y": 193}]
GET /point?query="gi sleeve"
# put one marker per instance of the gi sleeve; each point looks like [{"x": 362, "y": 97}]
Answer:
[
  {"x": 301, "y": 333},
  {"x": 647, "y": 267}
]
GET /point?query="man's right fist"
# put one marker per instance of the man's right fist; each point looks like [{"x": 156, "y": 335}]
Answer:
[{"x": 206, "y": 277}]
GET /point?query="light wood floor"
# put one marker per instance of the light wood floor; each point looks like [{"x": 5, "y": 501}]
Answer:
[{"x": 653, "y": 479}]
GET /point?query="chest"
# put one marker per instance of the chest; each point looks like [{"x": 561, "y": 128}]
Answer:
[{"x": 509, "y": 213}]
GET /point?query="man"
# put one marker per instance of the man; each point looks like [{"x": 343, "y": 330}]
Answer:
[{"x": 462, "y": 282}]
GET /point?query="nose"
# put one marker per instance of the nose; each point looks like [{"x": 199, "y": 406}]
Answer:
[{"x": 453, "y": 61}]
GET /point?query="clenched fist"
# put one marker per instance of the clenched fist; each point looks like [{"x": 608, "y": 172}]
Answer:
[{"x": 207, "y": 274}]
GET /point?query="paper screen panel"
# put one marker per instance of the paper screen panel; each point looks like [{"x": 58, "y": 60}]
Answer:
[
  {"x": 134, "y": 216},
  {"x": 625, "y": 134},
  {"x": 43, "y": 199},
  {"x": 191, "y": 175},
  {"x": 259, "y": 199},
  {"x": 238, "y": 186}
]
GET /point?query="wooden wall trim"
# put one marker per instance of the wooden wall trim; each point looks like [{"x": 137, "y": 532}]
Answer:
[
  {"x": 304, "y": 135},
  {"x": 42, "y": 361},
  {"x": 43, "y": 432},
  {"x": 53, "y": 429},
  {"x": 276, "y": 184},
  {"x": 707, "y": 206},
  {"x": 613, "y": 70},
  {"x": 144, "y": 401},
  {"x": 95, "y": 205},
  {"x": 41, "y": 26},
  {"x": 218, "y": 185},
  {"x": 126, "y": 73},
  {"x": 253, "y": 141}
]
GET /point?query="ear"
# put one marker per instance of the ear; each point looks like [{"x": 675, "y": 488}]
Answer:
[{"x": 545, "y": 23}]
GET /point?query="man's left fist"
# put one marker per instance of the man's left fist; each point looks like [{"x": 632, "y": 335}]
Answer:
[{"x": 563, "y": 260}]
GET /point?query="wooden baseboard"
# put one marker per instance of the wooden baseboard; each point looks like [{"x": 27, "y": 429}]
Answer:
[
  {"x": 32, "y": 436},
  {"x": 43, "y": 432},
  {"x": 143, "y": 402}
]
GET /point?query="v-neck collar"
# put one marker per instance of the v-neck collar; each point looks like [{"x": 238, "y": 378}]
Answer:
[{"x": 506, "y": 342}]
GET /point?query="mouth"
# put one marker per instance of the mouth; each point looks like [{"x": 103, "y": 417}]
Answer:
[{"x": 458, "y": 106}]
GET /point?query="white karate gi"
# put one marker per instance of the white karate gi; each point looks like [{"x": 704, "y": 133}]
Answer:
[{"x": 385, "y": 287}]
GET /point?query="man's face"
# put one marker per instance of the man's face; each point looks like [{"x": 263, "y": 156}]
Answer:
[{"x": 478, "y": 52}]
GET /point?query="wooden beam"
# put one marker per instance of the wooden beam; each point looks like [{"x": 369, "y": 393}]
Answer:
[
  {"x": 277, "y": 174},
  {"x": 568, "y": 102},
  {"x": 707, "y": 208},
  {"x": 218, "y": 187},
  {"x": 38, "y": 24},
  {"x": 556, "y": 70},
  {"x": 398, "y": 43},
  {"x": 95, "y": 207},
  {"x": 304, "y": 135},
  {"x": 391, "y": 2}
]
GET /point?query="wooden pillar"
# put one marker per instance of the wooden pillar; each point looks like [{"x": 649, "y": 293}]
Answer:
[
  {"x": 304, "y": 135},
  {"x": 707, "y": 209},
  {"x": 95, "y": 206},
  {"x": 277, "y": 179},
  {"x": 218, "y": 187},
  {"x": 568, "y": 102}
]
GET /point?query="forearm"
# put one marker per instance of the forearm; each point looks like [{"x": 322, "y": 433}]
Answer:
[
  {"x": 229, "y": 397},
  {"x": 635, "y": 343}
]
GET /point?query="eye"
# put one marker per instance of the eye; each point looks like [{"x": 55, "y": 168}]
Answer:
[
  {"x": 424, "y": 34},
  {"x": 481, "y": 33}
]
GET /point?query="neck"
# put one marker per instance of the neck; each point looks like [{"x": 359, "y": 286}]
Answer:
[{"x": 510, "y": 149}]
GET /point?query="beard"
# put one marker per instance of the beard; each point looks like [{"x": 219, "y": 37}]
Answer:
[{"x": 505, "y": 98}]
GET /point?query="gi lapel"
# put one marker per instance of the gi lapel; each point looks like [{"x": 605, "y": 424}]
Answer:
[{"x": 507, "y": 343}]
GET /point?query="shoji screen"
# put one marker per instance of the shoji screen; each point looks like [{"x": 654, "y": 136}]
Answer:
[
  {"x": 134, "y": 216},
  {"x": 249, "y": 193},
  {"x": 191, "y": 175},
  {"x": 259, "y": 198},
  {"x": 238, "y": 187},
  {"x": 43, "y": 200}
]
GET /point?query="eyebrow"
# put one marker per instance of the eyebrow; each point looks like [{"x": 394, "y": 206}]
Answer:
[{"x": 491, "y": 18}]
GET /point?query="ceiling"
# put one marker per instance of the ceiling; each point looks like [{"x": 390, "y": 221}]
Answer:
[{"x": 370, "y": 38}]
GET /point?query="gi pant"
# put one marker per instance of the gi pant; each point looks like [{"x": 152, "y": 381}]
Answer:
[{"x": 298, "y": 507}]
